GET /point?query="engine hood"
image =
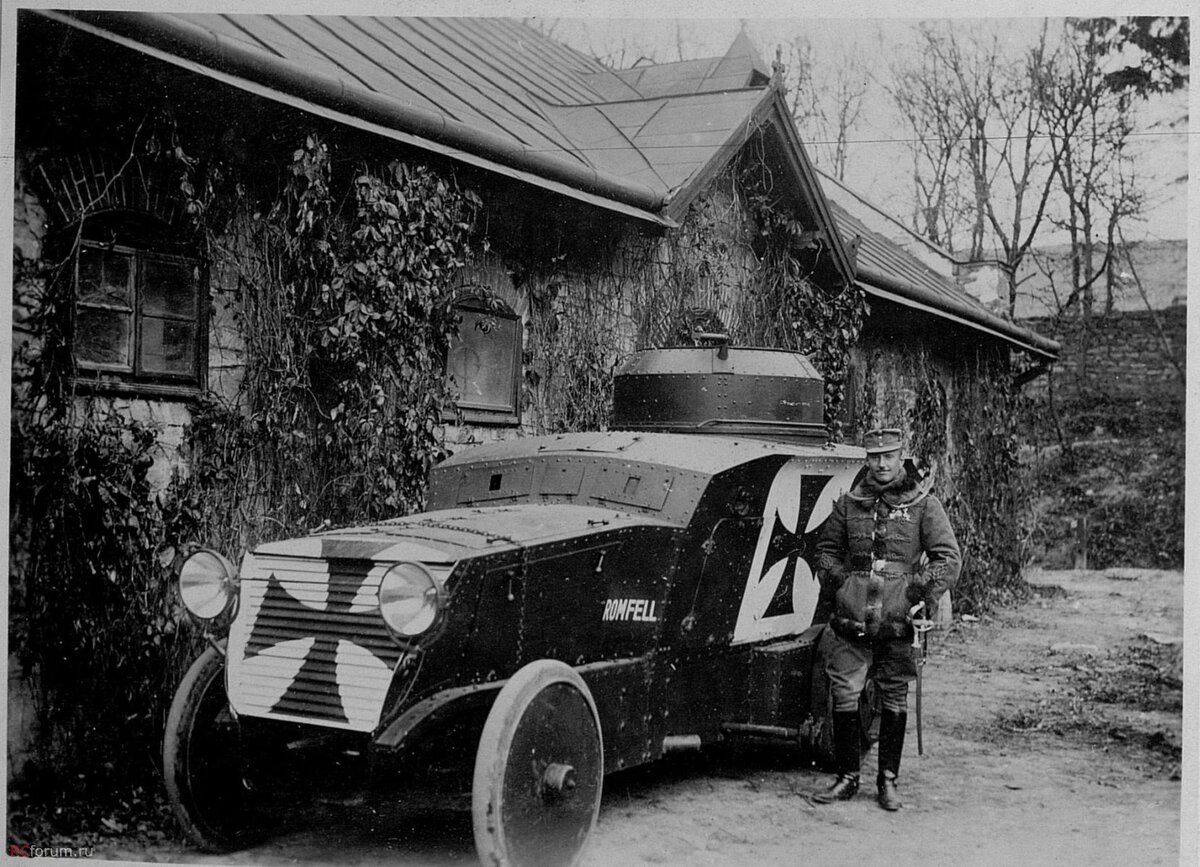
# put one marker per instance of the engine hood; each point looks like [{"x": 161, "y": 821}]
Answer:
[{"x": 448, "y": 535}]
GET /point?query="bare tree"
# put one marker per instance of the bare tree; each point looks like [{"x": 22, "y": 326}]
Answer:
[
  {"x": 681, "y": 42},
  {"x": 1091, "y": 124},
  {"x": 794, "y": 65},
  {"x": 616, "y": 52},
  {"x": 850, "y": 86},
  {"x": 545, "y": 26},
  {"x": 1006, "y": 145},
  {"x": 826, "y": 99},
  {"x": 988, "y": 139},
  {"x": 924, "y": 100}
]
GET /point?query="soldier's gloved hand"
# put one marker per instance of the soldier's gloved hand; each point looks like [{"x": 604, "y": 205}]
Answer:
[
  {"x": 831, "y": 571},
  {"x": 831, "y": 579},
  {"x": 931, "y": 606}
]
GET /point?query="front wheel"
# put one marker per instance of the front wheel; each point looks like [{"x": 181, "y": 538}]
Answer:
[
  {"x": 539, "y": 770},
  {"x": 203, "y": 767}
]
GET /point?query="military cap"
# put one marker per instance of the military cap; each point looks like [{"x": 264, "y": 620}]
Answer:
[{"x": 888, "y": 439}]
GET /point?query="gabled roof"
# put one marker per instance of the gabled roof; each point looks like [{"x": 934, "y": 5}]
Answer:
[{"x": 660, "y": 142}]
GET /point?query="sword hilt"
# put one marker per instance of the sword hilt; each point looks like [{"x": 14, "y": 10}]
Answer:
[{"x": 920, "y": 625}]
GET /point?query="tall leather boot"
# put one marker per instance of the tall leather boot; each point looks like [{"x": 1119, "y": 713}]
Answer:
[
  {"x": 891, "y": 745},
  {"x": 846, "y": 759}
]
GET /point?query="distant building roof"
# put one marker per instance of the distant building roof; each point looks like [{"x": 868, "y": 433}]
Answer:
[
  {"x": 1160, "y": 267},
  {"x": 740, "y": 67},
  {"x": 886, "y": 270}
]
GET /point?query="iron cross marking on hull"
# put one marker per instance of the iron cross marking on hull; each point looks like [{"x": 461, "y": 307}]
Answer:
[
  {"x": 346, "y": 578},
  {"x": 791, "y": 546}
]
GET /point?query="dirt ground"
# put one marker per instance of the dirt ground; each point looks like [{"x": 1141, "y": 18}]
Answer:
[{"x": 1052, "y": 737}]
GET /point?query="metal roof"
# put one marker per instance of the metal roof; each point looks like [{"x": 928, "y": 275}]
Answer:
[
  {"x": 661, "y": 143},
  {"x": 482, "y": 88},
  {"x": 886, "y": 270},
  {"x": 491, "y": 73}
]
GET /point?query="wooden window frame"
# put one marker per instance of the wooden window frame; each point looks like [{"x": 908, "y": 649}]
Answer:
[{"x": 135, "y": 379}]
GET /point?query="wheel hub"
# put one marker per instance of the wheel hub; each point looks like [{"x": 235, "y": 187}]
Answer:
[{"x": 558, "y": 781}]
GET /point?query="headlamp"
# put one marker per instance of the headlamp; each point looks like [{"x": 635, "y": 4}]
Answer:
[
  {"x": 410, "y": 599},
  {"x": 206, "y": 584}
]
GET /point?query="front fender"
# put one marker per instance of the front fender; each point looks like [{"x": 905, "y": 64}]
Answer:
[{"x": 435, "y": 709}]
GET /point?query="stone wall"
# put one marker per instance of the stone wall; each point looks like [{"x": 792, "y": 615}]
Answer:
[
  {"x": 1131, "y": 358},
  {"x": 1114, "y": 496}
]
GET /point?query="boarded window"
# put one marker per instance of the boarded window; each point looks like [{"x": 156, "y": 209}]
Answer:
[{"x": 484, "y": 362}]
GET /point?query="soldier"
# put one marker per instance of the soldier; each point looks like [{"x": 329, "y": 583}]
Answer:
[{"x": 887, "y": 547}]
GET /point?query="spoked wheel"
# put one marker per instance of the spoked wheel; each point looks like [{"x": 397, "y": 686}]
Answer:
[
  {"x": 202, "y": 761},
  {"x": 539, "y": 770}
]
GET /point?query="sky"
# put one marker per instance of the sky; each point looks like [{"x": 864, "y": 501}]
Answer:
[{"x": 877, "y": 160}]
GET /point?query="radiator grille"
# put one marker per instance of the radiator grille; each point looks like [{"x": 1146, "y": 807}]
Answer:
[{"x": 308, "y": 644}]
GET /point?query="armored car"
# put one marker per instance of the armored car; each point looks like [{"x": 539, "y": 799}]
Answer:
[{"x": 568, "y": 606}]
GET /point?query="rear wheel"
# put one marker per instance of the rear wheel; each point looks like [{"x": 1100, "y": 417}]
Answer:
[
  {"x": 539, "y": 770},
  {"x": 203, "y": 765}
]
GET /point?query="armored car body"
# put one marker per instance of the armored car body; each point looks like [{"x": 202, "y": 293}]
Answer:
[{"x": 567, "y": 607}]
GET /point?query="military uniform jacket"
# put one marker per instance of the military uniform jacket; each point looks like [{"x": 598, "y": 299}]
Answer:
[{"x": 882, "y": 551}]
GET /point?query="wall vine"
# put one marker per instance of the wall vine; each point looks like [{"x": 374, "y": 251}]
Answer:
[
  {"x": 99, "y": 631},
  {"x": 990, "y": 505},
  {"x": 736, "y": 263},
  {"x": 787, "y": 308},
  {"x": 346, "y": 309}
]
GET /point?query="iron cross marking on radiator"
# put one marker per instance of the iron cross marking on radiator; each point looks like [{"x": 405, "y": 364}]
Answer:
[{"x": 346, "y": 578}]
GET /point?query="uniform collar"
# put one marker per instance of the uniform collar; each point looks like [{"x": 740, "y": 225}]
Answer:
[{"x": 903, "y": 490}]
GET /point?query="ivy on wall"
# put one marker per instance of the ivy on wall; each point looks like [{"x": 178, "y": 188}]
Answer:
[
  {"x": 346, "y": 310},
  {"x": 100, "y": 632},
  {"x": 787, "y": 308},
  {"x": 738, "y": 263},
  {"x": 576, "y": 336},
  {"x": 989, "y": 503}
]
